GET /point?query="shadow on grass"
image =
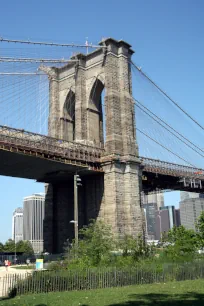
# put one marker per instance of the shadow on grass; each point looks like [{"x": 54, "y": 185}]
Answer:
[{"x": 188, "y": 299}]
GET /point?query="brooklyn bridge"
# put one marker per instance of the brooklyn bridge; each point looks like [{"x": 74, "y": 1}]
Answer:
[{"x": 92, "y": 130}]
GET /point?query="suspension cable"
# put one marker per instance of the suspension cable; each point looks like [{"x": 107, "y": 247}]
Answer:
[
  {"x": 153, "y": 116},
  {"x": 167, "y": 96},
  {"x": 36, "y": 60},
  {"x": 49, "y": 43},
  {"x": 164, "y": 147}
]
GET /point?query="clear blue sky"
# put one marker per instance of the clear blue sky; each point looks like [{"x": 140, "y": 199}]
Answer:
[{"x": 166, "y": 35}]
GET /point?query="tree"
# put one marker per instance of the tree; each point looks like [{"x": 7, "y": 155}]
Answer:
[
  {"x": 96, "y": 242},
  {"x": 183, "y": 243},
  {"x": 1, "y": 247},
  {"x": 9, "y": 246},
  {"x": 28, "y": 249},
  {"x": 200, "y": 229},
  {"x": 135, "y": 247}
]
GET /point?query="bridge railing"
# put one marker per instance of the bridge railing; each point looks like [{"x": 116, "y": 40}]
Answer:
[
  {"x": 49, "y": 145},
  {"x": 162, "y": 167}
]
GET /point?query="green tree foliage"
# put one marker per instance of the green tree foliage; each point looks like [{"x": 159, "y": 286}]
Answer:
[
  {"x": 1, "y": 247},
  {"x": 137, "y": 248},
  {"x": 95, "y": 243},
  {"x": 182, "y": 244},
  {"x": 24, "y": 247},
  {"x": 9, "y": 246},
  {"x": 98, "y": 247},
  {"x": 200, "y": 230}
]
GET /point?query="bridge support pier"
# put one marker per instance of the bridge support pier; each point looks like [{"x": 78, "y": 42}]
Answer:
[
  {"x": 113, "y": 197},
  {"x": 122, "y": 202}
]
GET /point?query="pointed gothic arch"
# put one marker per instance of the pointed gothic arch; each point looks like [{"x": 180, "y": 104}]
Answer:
[
  {"x": 68, "y": 117},
  {"x": 96, "y": 114}
]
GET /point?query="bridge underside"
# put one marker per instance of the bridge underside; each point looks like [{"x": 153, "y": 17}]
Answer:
[
  {"x": 155, "y": 181},
  {"x": 46, "y": 170},
  {"x": 40, "y": 169}
]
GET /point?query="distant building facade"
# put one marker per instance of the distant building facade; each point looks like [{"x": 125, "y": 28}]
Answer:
[
  {"x": 149, "y": 213},
  {"x": 190, "y": 210},
  {"x": 184, "y": 195},
  {"x": 151, "y": 203},
  {"x": 34, "y": 210},
  {"x": 177, "y": 217},
  {"x": 17, "y": 224},
  {"x": 154, "y": 198},
  {"x": 165, "y": 219}
]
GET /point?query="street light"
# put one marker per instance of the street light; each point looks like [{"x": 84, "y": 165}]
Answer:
[{"x": 77, "y": 182}]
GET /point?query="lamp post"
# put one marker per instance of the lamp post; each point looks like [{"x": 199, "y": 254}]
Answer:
[
  {"x": 15, "y": 250},
  {"x": 160, "y": 227},
  {"x": 77, "y": 182}
]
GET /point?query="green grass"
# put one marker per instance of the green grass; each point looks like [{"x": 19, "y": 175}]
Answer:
[
  {"x": 187, "y": 293},
  {"x": 25, "y": 267}
]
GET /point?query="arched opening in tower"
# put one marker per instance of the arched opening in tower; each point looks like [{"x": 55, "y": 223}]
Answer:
[
  {"x": 96, "y": 115},
  {"x": 68, "y": 120}
]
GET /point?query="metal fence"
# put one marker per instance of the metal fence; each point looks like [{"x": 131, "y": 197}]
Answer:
[{"x": 68, "y": 280}]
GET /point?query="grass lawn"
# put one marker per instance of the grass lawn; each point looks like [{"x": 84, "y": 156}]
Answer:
[
  {"x": 187, "y": 293},
  {"x": 25, "y": 267}
]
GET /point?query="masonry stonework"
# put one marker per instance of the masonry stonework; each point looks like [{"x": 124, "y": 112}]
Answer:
[{"x": 77, "y": 114}]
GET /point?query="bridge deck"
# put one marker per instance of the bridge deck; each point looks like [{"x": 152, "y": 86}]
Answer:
[{"x": 37, "y": 156}]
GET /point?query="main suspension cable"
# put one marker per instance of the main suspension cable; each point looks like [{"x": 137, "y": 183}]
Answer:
[
  {"x": 49, "y": 43},
  {"x": 153, "y": 116},
  {"x": 164, "y": 147},
  {"x": 166, "y": 95}
]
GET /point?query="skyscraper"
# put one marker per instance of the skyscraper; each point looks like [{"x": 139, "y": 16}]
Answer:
[
  {"x": 17, "y": 224},
  {"x": 34, "y": 207},
  {"x": 190, "y": 210},
  {"x": 151, "y": 203},
  {"x": 166, "y": 218},
  {"x": 154, "y": 198},
  {"x": 184, "y": 195}
]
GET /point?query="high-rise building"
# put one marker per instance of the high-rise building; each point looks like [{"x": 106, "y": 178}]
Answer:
[
  {"x": 149, "y": 213},
  {"x": 17, "y": 224},
  {"x": 154, "y": 198},
  {"x": 162, "y": 223},
  {"x": 151, "y": 203},
  {"x": 177, "y": 217},
  {"x": 184, "y": 195},
  {"x": 166, "y": 218},
  {"x": 190, "y": 210},
  {"x": 171, "y": 210},
  {"x": 34, "y": 208}
]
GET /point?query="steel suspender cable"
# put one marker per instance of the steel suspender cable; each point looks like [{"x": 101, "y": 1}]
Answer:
[
  {"x": 146, "y": 110},
  {"x": 166, "y": 95},
  {"x": 165, "y": 147}
]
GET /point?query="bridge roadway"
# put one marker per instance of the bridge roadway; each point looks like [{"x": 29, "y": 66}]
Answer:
[{"x": 42, "y": 158}]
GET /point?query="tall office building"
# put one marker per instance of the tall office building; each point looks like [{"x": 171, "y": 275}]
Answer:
[
  {"x": 34, "y": 209},
  {"x": 177, "y": 217},
  {"x": 166, "y": 218},
  {"x": 151, "y": 203},
  {"x": 17, "y": 224},
  {"x": 190, "y": 210},
  {"x": 154, "y": 198},
  {"x": 149, "y": 214},
  {"x": 184, "y": 195}
]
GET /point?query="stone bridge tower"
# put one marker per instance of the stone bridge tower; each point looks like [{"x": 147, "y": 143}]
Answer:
[{"x": 77, "y": 114}]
